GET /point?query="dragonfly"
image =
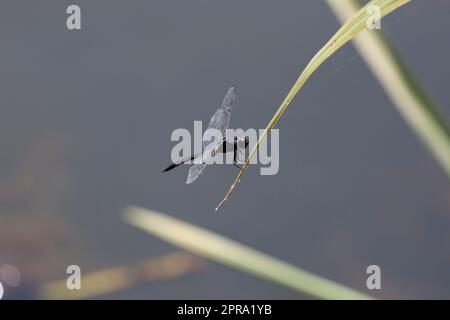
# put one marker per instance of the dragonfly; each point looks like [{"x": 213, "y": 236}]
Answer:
[{"x": 210, "y": 149}]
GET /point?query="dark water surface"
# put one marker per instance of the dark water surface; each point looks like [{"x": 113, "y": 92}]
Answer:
[{"x": 85, "y": 125}]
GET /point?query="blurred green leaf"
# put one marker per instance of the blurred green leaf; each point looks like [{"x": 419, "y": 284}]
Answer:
[
  {"x": 411, "y": 100},
  {"x": 235, "y": 255}
]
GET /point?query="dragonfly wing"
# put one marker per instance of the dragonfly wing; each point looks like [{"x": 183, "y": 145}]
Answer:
[
  {"x": 218, "y": 121},
  {"x": 195, "y": 171},
  {"x": 221, "y": 118}
]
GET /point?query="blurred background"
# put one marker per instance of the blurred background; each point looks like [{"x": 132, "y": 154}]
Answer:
[{"x": 86, "y": 119}]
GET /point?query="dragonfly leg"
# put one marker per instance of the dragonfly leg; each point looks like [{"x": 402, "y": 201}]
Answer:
[{"x": 237, "y": 166}]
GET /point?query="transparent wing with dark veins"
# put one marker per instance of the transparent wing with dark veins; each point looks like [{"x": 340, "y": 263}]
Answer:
[
  {"x": 218, "y": 121},
  {"x": 200, "y": 163},
  {"x": 221, "y": 118},
  {"x": 195, "y": 171}
]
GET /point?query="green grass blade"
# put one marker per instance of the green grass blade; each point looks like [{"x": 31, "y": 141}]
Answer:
[
  {"x": 411, "y": 100},
  {"x": 347, "y": 32},
  {"x": 220, "y": 249}
]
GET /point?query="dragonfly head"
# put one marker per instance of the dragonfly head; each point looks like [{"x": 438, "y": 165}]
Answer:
[{"x": 243, "y": 142}]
